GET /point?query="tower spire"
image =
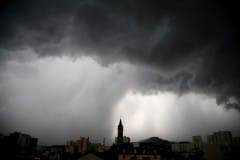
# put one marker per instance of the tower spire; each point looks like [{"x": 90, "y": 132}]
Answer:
[
  {"x": 120, "y": 133},
  {"x": 120, "y": 122}
]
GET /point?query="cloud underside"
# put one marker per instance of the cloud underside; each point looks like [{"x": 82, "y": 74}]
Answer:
[{"x": 192, "y": 42}]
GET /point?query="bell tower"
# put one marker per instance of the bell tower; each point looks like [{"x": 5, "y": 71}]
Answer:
[
  {"x": 120, "y": 133},
  {"x": 120, "y": 129}
]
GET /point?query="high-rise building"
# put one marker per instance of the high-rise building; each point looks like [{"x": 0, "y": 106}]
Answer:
[
  {"x": 197, "y": 141},
  {"x": 220, "y": 137},
  {"x": 83, "y": 145},
  {"x": 80, "y": 146}
]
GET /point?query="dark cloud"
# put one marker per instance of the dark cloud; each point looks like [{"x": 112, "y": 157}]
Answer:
[
  {"x": 188, "y": 45},
  {"x": 168, "y": 35}
]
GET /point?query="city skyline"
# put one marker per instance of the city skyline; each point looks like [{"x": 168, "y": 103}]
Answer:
[
  {"x": 108, "y": 141},
  {"x": 169, "y": 69},
  {"x": 121, "y": 138},
  {"x": 219, "y": 145}
]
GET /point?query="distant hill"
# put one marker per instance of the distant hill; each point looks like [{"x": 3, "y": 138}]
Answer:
[{"x": 155, "y": 140}]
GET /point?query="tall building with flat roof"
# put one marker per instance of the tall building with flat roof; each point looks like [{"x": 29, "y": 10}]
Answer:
[
  {"x": 197, "y": 141},
  {"x": 80, "y": 146},
  {"x": 220, "y": 137}
]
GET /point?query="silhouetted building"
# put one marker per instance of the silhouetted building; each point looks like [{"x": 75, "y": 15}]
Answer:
[
  {"x": 119, "y": 139},
  {"x": 153, "y": 148},
  {"x": 182, "y": 147},
  {"x": 236, "y": 140},
  {"x": 80, "y": 146},
  {"x": 56, "y": 152},
  {"x": 220, "y": 138},
  {"x": 221, "y": 145},
  {"x": 126, "y": 139},
  {"x": 219, "y": 152},
  {"x": 143, "y": 151},
  {"x": 197, "y": 142},
  {"x": 21, "y": 142}
]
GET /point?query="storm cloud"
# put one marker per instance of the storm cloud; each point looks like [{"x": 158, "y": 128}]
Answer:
[{"x": 175, "y": 46}]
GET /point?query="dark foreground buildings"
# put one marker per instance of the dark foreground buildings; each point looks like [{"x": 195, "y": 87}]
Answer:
[
  {"x": 153, "y": 148},
  {"x": 219, "y": 146},
  {"x": 18, "y": 146}
]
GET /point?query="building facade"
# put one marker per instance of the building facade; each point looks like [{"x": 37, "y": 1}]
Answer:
[
  {"x": 79, "y": 146},
  {"x": 220, "y": 138},
  {"x": 197, "y": 142}
]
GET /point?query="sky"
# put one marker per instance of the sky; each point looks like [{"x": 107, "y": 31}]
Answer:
[{"x": 71, "y": 69}]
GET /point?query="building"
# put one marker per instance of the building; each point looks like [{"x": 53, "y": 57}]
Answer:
[
  {"x": 143, "y": 151},
  {"x": 197, "y": 142},
  {"x": 56, "y": 152},
  {"x": 219, "y": 152},
  {"x": 220, "y": 138},
  {"x": 70, "y": 147},
  {"x": 119, "y": 138},
  {"x": 182, "y": 147},
  {"x": 79, "y": 146},
  {"x": 221, "y": 145},
  {"x": 21, "y": 142},
  {"x": 150, "y": 149},
  {"x": 126, "y": 139},
  {"x": 236, "y": 140},
  {"x": 83, "y": 145},
  {"x": 211, "y": 139}
]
